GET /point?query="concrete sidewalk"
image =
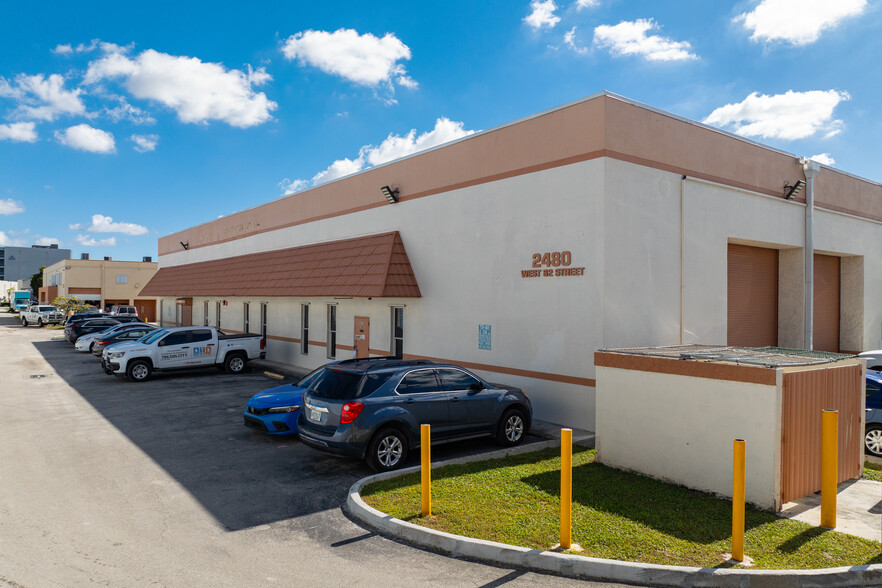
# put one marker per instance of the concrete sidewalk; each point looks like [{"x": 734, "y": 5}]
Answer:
[{"x": 858, "y": 505}]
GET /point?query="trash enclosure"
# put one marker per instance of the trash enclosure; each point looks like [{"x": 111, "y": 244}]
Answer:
[{"x": 673, "y": 412}]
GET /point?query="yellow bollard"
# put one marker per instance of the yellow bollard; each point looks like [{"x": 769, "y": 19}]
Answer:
[
  {"x": 738, "y": 500},
  {"x": 566, "y": 488},
  {"x": 829, "y": 466},
  {"x": 426, "y": 470}
]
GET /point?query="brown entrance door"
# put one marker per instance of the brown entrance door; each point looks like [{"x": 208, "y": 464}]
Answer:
[{"x": 362, "y": 336}]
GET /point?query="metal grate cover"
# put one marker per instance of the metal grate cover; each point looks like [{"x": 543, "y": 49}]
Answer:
[{"x": 771, "y": 357}]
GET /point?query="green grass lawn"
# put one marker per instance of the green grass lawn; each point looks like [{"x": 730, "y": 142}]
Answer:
[
  {"x": 872, "y": 471},
  {"x": 616, "y": 515}
]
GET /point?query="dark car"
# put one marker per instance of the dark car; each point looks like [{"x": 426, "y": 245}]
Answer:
[
  {"x": 132, "y": 333},
  {"x": 81, "y": 316},
  {"x": 873, "y": 428},
  {"x": 75, "y": 330},
  {"x": 373, "y": 408}
]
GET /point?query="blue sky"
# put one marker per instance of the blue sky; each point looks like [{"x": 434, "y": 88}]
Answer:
[{"x": 123, "y": 122}]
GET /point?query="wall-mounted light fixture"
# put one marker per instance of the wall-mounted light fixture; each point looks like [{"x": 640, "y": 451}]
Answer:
[
  {"x": 186, "y": 245},
  {"x": 390, "y": 194},
  {"x": 791, "y": 191}
]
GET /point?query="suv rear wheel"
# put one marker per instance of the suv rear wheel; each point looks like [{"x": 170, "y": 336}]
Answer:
[
  {"x": 387, "y": 450},
  {"x": 511, "y": 427}
]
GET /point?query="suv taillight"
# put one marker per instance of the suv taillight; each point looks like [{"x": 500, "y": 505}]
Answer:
[
  {"x": 262, "y": 343},
  {"x": 351, "y": 410}
]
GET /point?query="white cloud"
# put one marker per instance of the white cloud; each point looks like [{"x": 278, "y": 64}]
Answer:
[
  {"x": 582, "y": 4},
  {"x": 145, "y": 143},
  {"x": 9, "y": 241},
  {"x": 798, "y": 22},
  {"x": 792, "y": 115},
  {"x": 362, "y": 59},
  {"x": 392, "y": 147},
  {"x": 823, "y": 159},
  {"x": 22, "y": 131},
  {"x": 63, "y": 50},
  {"x": 86, "y": 138},
  {"x": 570, "y": 42},
  {"x": 542, "y": 15},
  {"x": 10, "y": 206},
  {"x": 125, "y": 111},
  {"x": 630, "y": 38},
  {"x": 46, "y": 241},
  {"x": 88, "y": 241},
  {"x": 42, "y": 98},
  {"x": 105, "y": 224},
  {"x": 197, "y": 91}
]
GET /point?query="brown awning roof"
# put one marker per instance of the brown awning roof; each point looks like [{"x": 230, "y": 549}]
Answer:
[{"x": 373, "y": 266}]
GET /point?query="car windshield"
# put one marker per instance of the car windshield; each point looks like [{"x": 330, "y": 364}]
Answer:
[
  {"x": 150, "y": 338},
  {"x": 339, "y": 385},
  {"x": 47, "y": 309}
]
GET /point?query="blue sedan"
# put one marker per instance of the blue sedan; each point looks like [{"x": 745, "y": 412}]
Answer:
[{"x": 275, "y": 410}]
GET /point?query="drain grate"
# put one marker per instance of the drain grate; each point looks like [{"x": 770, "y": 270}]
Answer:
[{"x": 36, "y": 376}]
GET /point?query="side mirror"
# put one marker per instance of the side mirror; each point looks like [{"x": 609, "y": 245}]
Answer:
[{"x": 476, "y": 387}]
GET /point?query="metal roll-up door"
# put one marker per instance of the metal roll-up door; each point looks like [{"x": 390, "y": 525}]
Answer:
[
  {"x": 752, "y": 319},
  {"x": 825, "y": 335}
]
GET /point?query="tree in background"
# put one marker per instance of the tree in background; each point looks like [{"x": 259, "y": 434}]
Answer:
[
  {"x": 69, "y": 305},
  {"x": 37, "y": 281}
]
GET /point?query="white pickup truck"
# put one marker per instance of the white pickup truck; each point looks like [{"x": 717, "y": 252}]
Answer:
[
  {"x": 40, "y": 315},
  {"x": 180, "y": 348}
]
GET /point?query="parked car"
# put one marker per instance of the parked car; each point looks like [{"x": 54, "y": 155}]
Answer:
[
  {"x": 85, "y": 342},
  {"x": 182, "y": 348},
  {"x": 81, "y": 316},
  {"x": 873, "y": 426},
  {"x": 129, "y": 333},
  {"x": 75, "y": 330},
  {"x": 275, "y": 410},
  {"x": 874, "y": 359},
  {"x": 373, "y": 408},
  {"x": 41, "y": 315},
  {"x": 128, "y": 310}
]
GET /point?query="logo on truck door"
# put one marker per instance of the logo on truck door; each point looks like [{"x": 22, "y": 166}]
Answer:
[{"x": 198, "y": 351}]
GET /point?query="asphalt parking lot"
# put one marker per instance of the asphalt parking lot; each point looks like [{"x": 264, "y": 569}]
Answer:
[{"x": 111, "y": 482}]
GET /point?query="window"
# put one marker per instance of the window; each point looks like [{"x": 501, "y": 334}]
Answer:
[
  {"x": 198, "y": 336},
  {"x": 263, "y": 321},
  {"x": 205, "y": 313},
  {"x": 332, "y": 331},
  {"x": 174, "y": 339},
  {"x": 304, "y": 328},
  {"x": 122, "y": 279},
  {"x": 217, "y": 307},
  {"x": 246, "y": 326},
  {"x": 419, "y": 382},
  {"x": 397, "y": 345},
  {"x": 455, "y": 380}
]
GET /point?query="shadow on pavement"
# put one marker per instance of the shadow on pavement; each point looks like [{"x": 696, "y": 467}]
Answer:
[{"x": 190, "y": 423}]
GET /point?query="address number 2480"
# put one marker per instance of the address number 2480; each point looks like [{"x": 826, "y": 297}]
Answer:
[{"x": 554, "y": 259}]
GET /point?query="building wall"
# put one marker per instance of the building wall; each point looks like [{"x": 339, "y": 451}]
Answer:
[
  {"x": 681, "y": 429},
  {"x": 20, "y": 263},
  {"x": 101, "y": 276}
]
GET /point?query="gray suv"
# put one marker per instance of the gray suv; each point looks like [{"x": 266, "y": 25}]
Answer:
[{"x": 373, "y": 408}]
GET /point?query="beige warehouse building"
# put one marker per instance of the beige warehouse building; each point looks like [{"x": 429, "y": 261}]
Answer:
[
  {"x": 102, "y": 283},
  {"x": 519, "y": 251}
]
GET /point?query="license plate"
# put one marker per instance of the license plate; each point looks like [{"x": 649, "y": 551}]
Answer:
[{"x": 315, "y": 416}]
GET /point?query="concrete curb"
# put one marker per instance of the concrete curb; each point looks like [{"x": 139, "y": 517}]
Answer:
[{"x": 575, "y": 566}]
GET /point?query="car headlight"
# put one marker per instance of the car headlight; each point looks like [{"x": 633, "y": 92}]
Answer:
[
  {"x": 116, "y": 354},
  {"x": 279, "y": 409}
]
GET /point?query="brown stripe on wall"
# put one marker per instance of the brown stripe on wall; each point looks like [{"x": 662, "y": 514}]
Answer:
[
  {"x": 511, "y": 371},
  {"x": 679, "y": 367},
  {"x": 286, "y": 339}
]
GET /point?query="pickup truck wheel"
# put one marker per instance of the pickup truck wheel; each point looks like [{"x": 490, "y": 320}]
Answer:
[
  {"x": 40, "y": 322},
  {"x": 24, "y": 322},
  {"x": 234, "y": 364},
  {"x": 138, "y": 370}
]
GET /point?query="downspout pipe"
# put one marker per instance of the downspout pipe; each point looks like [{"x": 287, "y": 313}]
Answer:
[{"x": 811, "y": 169}]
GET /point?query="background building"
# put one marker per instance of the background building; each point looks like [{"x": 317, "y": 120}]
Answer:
[
  {"x": 20, "y": 263},
  {"x": 519, "y": 251},
  {"x": 102, "y": 283}
]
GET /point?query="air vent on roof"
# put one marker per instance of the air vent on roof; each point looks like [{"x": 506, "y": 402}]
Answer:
[
  {"x": 106, "y": 258},
  {"x": 147, "y": 258},
  {"x": 84, "y": 256}
]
